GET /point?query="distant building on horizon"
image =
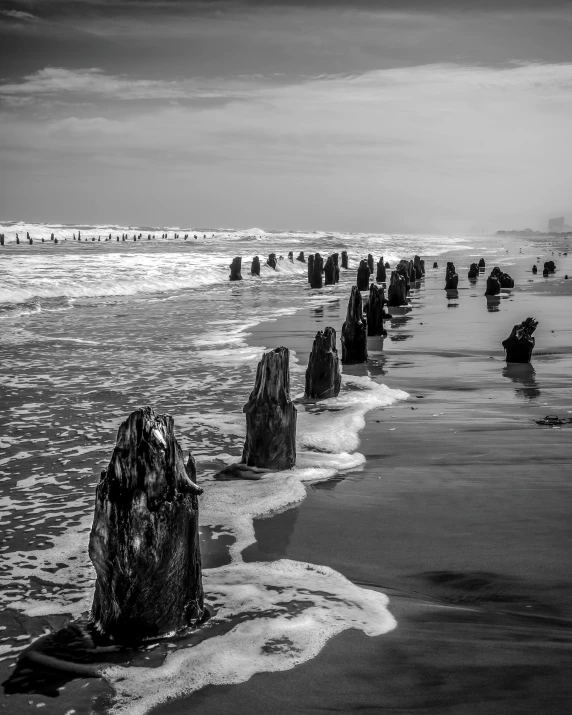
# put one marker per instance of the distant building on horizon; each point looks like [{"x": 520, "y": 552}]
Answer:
[{"x": 556, "y": 225}]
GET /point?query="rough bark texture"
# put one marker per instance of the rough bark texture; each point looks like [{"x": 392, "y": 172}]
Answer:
[
  {"x": 493, "y": 286},
  {"x": 271, "y": 415},
  {"x": 381, "y": 275},
  {"x": 330, "y": 272},
  {"x": 310, "y": 267},
  {"x": 354, "y": 330},
  {"x": 301, "y": 257},
  {"x": 255, "y": 268},
  {"x": 272, "y": 260},
  {"x": 324, "y": 375},
  {"x": 520, "y": 342},
  {"x": 397, "y": 291},
  {"x": 235, "y": 269},
  {"x": 363, "y": 275},
  {"x": 317, "y": 269},
  {"x": 344, "y": 259},
  {"x": 144, "y": 542},
  {"x": 451, "y": 277},
  {"x": 375, "y": 311},
  {"x": 370, "y": 263},
  {"x": 473, "y": 271}
]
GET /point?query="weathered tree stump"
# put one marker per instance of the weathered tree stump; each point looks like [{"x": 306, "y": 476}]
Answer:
[
  {"x": 370, "y": 263},
  {"x": 473, "y": 271},
  {"x": 17, "y": 239},
  {"x": 272, "y": 261},
  {"x": 397, "y": 291},
  {"x": 324, "y": 375},
  {"x": 550, "y": 266},
  {"x": 235, "y": 269},
  {"x": 363, "y": 275},
  {"x": 301, "y": 257},
  {"x": 310, "y": 267},
  {"x": 482, "y": 263},
  {"x": 451, "y": 277},
  {"x": 403, "y": 269},
  {"x": 534, "y": 269},
  {"x": 503, "y": 278},
  {"x": 317, "y": 270},
  {"x": 271, "y": 415},
  {"x": 255, "y": 267},
  {"x": 291, "y": 256},
  {"x": 520, "y": 342},
  {"x": 422, "y": 264},
  {"x": 380, "y": 276},
  {"x": 419, "y": 268},
  {"x": 144, "y": 542},
  {"x": 335, "y": 258},
  {"x": 329, "y": 272},
  {"x": 344, "y": 259},
  {"x": 1, "y": 239},
  {"x": 435, "y": 264},
  {"x": 387, "y": 264},
  {"x": 493, "y": 286},
  {"x": 354, "y": 330},
  {"x": 375, "y": 311}
]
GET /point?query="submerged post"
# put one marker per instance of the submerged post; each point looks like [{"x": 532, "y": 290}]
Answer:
[
  {"x": 354, "y": 330},
  {"x": 324, "y": 375},
  {"x": 271, "y": 415},
  {"x": 144, "y": 542},
  {"x": 520, "y": 342}
]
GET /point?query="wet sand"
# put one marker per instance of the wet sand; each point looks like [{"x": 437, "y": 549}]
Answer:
[{"x": 461, "y": 514}]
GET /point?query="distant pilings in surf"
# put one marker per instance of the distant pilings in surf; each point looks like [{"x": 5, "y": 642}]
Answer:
[
  {"x": 270, "y": 442},
  {"x": 345, "y": 263},
  {"x": 255, "y": 267},
  {"x": 235, "y": 269},
  {"x": 323, "y": 374},
  {"x": 272, "y": 261},
  {"x": 301, "y": 257}
]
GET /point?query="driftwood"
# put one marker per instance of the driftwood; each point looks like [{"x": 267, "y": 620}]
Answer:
[
  {"x": 375, "y": 311},
  {"x": 235, "y": 269},
  {"x": 324, "y": 375},
  {"x": 301, "y": 257},
  {"x": 397, "y": 291},
  {"x": 255, "y": 267},
  {"x": 317, "y": 270},
  {"x": 144, "y": 542},
  {"x": 451, "y": 277},
  {"x": 363, "y": 275},
  {"x": 520, "y": 342},
  {"x": 271, "y": 415},
  {"x": 272, "y": 261},
  {"x": 370, "y": 263},
  {"x": 329, "y": 272},
  {"x": 354, "y": 330},
  {"x": 473, "y": 271},
  {"x": 380, "y": 275},
  {"x": 344, "y": 259}
]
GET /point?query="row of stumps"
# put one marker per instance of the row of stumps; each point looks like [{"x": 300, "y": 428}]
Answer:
[{"x": 144, "y": 542}]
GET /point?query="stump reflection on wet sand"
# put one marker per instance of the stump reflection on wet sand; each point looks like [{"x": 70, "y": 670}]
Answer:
[
  {"x": 324, "y": 375},
  {"x": 271, "y": 415},
  {"x": 520, "y": 342},
  {"x": 144, "y": 542},
  {"x": 354, "y": 330},
  {"x": 363, "y": 275}
]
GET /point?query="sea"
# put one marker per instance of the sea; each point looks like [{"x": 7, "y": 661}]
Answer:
[{"x": 91, "y": 328}]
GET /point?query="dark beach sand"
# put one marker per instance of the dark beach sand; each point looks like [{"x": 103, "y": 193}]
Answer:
[{"x": 462, "y": 514}]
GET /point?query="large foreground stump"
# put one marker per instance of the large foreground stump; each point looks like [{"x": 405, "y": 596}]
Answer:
[
  {"x": 380, "y": 275},
  {"x": 520, "y": 342},
  {"x": 397, "y": 291},
  {"x": 375, "y": 311},
  {"x": 271, "y": 415},
  {"x": 324, "y": 375},
  {"x": 144, "y": 542},
  {"x": 255, "y": 267},
  {"x": 354, "y": 330},
  {"x": 363, "y": 275},
  {"x": 235, "y": 269},
  {"x": 317, "y": 270},
  {"x": 344, "y": 259}
]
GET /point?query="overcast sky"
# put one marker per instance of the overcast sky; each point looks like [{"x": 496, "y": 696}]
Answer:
[{"x": 382, "y": 116}]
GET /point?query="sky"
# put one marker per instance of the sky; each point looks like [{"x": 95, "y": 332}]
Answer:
[{"x": 366, "y": 116}]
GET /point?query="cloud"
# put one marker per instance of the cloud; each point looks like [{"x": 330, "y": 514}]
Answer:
[{"x": 18, "y": 15}]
